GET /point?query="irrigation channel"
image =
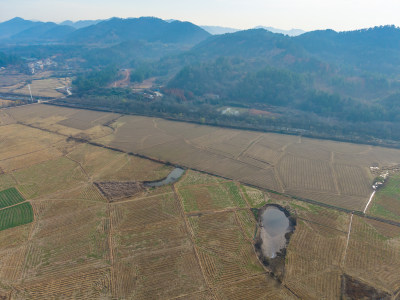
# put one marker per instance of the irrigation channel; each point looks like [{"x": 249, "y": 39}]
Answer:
[{"x": 171, "y": 178}]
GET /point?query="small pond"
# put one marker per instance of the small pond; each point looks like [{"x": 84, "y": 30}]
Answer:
[
  {"x": 171, "y": 178},
  {"x": 275, "y": 225}
]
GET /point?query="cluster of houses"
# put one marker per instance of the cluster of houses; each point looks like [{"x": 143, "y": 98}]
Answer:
[
  {"x": 41, "y": 65},
  {"x": 383, "y": 174},
  {"x": 381, "y": 180}
]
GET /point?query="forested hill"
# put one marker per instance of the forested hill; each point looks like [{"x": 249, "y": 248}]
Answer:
[
  {"x": 147, "y": 28},
  {"x": 20, "y": 31},
  {"x": 336, "y": 76},
  {"x": 371, "y": 50},
  {"x": 375, "y": 49},
  {"x": 14, "y": 26},
  {"x": 361, "y": 64}
]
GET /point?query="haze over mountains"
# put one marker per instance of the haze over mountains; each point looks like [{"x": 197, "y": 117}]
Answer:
[
  {"x": 110, "y": 31},
  {"x": 81, "y": 23},
  {"x": 343, "y": 76},
  {"x": 114, "y": 30},
  {"x": 372, "y": 50}
]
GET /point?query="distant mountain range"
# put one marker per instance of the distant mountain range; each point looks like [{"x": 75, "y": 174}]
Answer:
[
  {"x": 291, "y": 32},
  {"x": 222, "y": 30},
  {"x": 150, "y": 29},
  {"x": 219, "y": 30},
  {"x": 80, "y": 24},
  {"x": 18, "y": 30},
  {"x": 372, "y": 50},
  {"x": 112, "y": 31}
]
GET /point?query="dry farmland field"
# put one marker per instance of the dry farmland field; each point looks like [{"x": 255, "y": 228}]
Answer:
[
  {"x": 61, "y": 237},
  {"x": 42, "y": 85},
  {"x": 333, "y": 173}
]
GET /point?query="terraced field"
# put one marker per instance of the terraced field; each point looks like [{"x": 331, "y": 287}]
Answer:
[{"x": 192, "y": 239}]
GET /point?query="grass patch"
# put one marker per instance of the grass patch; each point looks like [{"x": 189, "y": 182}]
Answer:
[
  {"x": 15, "y": 216},
  {"x": 189, "y": 200},
  {"x": 254, "y": 197},
  {"x": 379, "y": 210},
  {"x": 10, "y": 197},
  {"x": 235, "y": 194},
  {"x": 387, "y": 200}
]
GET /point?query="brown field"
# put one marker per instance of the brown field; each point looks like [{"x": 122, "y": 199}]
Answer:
[
  {"x": 44, "y": 87},
  {"x": 373, "y": 254},
  {"x": 193, "y": 239},
  {"x": 331, "y": 172},
  {"x": 5, "y": 103},
  {"x": 118, "y": 190},
  {"x": 42, "y": 84}
]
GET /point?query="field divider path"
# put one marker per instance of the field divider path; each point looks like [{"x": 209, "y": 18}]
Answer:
[
  {"x": 369, "y": 202},
  {"x": 209, "y": 212},
  {"x": 187, "y": 296},
  {"x": 29, "y": 243},
  {"x": 13, "y": 205},
  {"x": 242, "y": 195},
  {"x": 259, "y": 137},
  {"x": 334, "y": 175},
  {"x": 348, "y": 239},
  {"x": 276, "y": 164},
  {"x": 323, "y": 225},
  {"x": 14, "y": 178},
  {"x": 191, "y": 236},
  {"x": 110, "y": 247},
  {"x": 80, "y": 166},
  {"x": 250, "y": 240},
  {"x": 141, "y": 198}
]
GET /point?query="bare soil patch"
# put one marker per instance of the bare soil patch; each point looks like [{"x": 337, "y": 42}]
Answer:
[
  {"x": 354, "y": 289},
  {"x": 114, "y": 191}
]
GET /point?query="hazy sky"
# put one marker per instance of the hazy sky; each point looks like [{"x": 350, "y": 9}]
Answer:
[{"x": 285, "y": 14}]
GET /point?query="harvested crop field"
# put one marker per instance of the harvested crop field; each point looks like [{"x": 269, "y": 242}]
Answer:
[
  {"x": 333, "y": 173},
  {"x": 46, "y": 87},
  {"x": 189, "y": 240}
]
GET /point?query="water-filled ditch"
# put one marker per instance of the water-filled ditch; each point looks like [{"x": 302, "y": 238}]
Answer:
[{"x": 171, "y": 178}]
